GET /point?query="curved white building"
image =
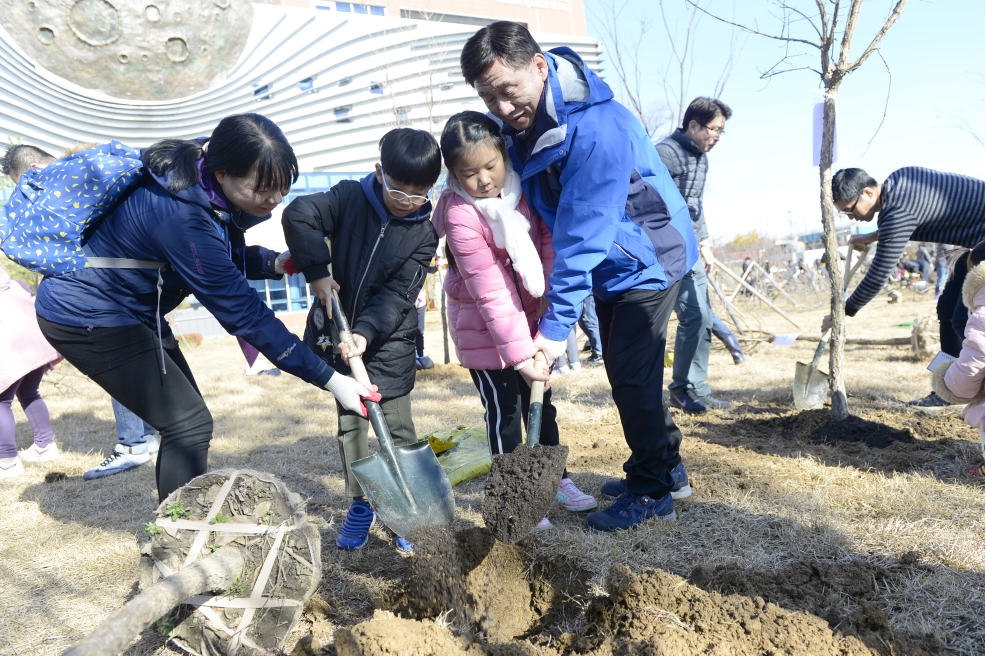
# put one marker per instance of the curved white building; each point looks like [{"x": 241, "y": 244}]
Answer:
[{"x": 334, "y": 81}]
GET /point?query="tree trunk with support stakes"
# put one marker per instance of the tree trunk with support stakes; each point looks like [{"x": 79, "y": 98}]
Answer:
[{"x": 837, "y": 386}]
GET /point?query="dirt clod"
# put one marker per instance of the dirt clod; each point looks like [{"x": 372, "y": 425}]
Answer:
[{"x": 521, "y": 488}]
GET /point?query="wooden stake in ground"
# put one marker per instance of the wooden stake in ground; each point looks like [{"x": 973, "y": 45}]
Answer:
[
  {"x": 725, "y": 269},
  {"x": 835, "y": 65}
]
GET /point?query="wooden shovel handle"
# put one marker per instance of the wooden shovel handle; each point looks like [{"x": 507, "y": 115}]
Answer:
[
  {"x": 346, "y": 335},
  {"x": 537, "y": 387}
]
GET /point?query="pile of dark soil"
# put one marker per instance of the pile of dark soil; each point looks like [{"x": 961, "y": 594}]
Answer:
[
  {"x": 843, "y": 594},
  {"x": 520, "y": 490}
]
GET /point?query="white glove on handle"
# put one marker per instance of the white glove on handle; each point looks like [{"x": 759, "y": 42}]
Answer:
[
  {"x": 350, "y": 393},
  {"x": 552, "y": 349}
]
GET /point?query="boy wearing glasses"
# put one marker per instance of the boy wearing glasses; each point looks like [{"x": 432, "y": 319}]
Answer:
[{"x": 382, "y": 242}]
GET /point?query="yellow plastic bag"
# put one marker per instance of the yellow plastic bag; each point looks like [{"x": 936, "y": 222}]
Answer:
[{"x": 463, "y": 452}]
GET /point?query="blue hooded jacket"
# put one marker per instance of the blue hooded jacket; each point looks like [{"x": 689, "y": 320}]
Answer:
[
  {"x": 200, "y": 243},
  {"x": 617, "y": 220}
]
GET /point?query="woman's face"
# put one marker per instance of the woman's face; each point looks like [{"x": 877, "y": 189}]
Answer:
[
  {"x": 481, "y": 171},
  {"x": 242, "y": 194}
]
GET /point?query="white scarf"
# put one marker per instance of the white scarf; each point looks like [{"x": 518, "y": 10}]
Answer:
[{"x": 511, "y": 229}]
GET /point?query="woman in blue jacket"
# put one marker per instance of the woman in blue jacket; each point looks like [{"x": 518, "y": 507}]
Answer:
[{"x": 190, "y": 214}]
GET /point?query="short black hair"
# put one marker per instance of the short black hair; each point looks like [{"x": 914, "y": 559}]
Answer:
[
  {"x": 848, "y": 184},
  {"x": 411, "y": 157},
  {"x": 18, "y": 159},
  {"x": 703, "y": 110},
  {"x": 506, "y": 41}
]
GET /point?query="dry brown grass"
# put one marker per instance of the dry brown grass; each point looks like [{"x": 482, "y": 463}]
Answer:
[{"x": 68, "y": 550}]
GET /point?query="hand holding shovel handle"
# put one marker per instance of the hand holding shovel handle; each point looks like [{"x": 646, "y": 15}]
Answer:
[{"x": 537, "y": 398}]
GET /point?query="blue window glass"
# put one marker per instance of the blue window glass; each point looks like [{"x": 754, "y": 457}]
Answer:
[
  {"x": 299, "y": 294},
  {"x": 359, "y": 9},
  {"x": 377, "y": 11},
  {"x": 278, "y": 295},
  {"x": 343, "y": 6},
  {"x": 260, "y": 288},
  {"x": 307, "y": 85},
  {"x": 318, "y": 181}
]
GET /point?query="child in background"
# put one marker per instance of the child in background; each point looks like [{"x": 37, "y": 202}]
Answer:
[
  {"x": 25, "y": 355},
  {"x": 382, "y": 245},
  {"x": 961, "y": 380},
  {"x": 499, "y": 254}
]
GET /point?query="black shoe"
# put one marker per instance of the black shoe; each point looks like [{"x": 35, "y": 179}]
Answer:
[
  {"x": 713, "y": 403},
  {"x": 595, "y": 361},
  {"x": 687, "y": 401},
  {"x": 587, "y": 348}
]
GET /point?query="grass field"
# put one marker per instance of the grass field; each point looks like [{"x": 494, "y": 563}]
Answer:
[{"x": 887, "y": 543}]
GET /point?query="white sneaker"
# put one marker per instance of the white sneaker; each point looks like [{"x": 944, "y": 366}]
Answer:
[
  {"x": 543, "y": 525},
  {"x": 12, "y": 469},
  {"x": 119, "y": 461},
  {"x": 561, "y": 371},
  {"x": 153, "y": 446},
  {"x": 575, "y": 366},
  {"x": 34, "y": 454}
]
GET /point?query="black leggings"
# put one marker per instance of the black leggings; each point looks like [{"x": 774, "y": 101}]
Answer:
[{"x": 125, "y": 361}]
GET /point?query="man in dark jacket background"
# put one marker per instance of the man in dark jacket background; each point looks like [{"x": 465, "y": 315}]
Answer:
[
  {"x": 382, "y": 245},
  {"x": 684, "y": 153}
]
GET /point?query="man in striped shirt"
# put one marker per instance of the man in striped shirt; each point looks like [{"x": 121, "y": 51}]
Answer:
[{"x": 916, "y": 204}]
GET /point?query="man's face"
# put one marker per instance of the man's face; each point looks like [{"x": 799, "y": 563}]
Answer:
[
  {"x": 705, "y": 137},
  {"x": 863, "y": 208},
  {"x": 512, "y": 95}
]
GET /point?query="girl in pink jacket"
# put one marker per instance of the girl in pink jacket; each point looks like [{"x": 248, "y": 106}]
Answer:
[
  {"x": 500, "y": 255},
  {"x": 961, "y": 380},
  {"x": 25, "y": 355}
]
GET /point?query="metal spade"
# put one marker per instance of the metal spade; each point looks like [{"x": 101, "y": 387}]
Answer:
[{"x": 406, "y": 485}]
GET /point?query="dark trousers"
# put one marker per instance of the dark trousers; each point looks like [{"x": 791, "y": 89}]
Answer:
[
  {"x": 634, "y": 330},
  {"x": 419, "y": 339},
  {"x": 128, "y": 367},
  {"x": 506, "y": 399},
  {"x": 952, "y": 313}
]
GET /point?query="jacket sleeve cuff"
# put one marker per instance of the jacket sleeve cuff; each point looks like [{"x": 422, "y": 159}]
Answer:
[
  {"x": 939, "y": 385},
  {"x": 367, "y": 330},
  {"x": 851, "y": 311},
  {"x": 324, "y": 375},
  {"x": 526, "y": 363},
  {"x": 316, "y": 272}
]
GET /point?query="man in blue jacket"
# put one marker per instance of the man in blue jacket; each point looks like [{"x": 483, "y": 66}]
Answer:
[{"x": 620, "y": 229}]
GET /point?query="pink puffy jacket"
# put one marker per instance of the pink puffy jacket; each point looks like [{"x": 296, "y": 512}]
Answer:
[
  {"x": 964, "y": 377},
  {"x": 22, "y": 346},
  {"x": 492, "y": 322}
]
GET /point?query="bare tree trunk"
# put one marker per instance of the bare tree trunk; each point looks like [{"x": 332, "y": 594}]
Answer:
[
  {"x": 837, "y": 386},
  {"x": 445, "y": 327},
  {"x": 115, "y": 633}
]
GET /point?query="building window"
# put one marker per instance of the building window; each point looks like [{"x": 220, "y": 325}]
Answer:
[
  {"x": 445, "y": 17},
  {"x": 344, "y": 6},
  {"x": 359, "y": 8},
  {"x": 307, "y": 85},
  {"x": 376, "y": 87},
  {"x": 261, "y": 92},
  {"x": 324, "y": 5}
]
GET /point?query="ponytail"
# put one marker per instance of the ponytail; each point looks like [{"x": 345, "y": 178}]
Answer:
[{"x": 177, "y": 158}]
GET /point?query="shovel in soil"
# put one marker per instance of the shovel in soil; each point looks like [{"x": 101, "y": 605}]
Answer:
[
  {"x": 523, "y": 484},
  {"x": 406, "y": 485},
  {"x": 811, "y": 386}
]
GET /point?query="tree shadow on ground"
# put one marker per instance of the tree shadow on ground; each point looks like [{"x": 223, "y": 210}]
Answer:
[{"x": 872, "y": 439}]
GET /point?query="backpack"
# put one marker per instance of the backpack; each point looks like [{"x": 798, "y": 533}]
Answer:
[{"x": 44, "y": 222}]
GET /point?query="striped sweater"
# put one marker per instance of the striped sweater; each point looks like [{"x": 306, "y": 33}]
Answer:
[{"x": 921, "y": 205}]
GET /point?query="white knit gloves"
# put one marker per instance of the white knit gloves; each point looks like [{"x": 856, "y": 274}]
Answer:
[
  {"x": 350, "y": 393},
  {"x": 552, "y": 349}
]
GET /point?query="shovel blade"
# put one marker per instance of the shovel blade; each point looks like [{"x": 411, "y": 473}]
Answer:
[
  {"x": 428, "y": 501},
  {"x": 811, "y": 387}
]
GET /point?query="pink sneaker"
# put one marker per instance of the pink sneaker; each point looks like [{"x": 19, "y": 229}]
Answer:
[
  {"x": 34, "y": 454},
  {"x": 543, "y": 525},
  {"x": 573, "y": 499}
]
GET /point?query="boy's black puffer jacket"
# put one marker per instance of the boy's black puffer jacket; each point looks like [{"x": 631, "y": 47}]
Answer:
[{"x": 380, "y": 263}]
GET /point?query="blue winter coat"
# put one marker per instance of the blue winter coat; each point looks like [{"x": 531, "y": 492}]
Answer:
[
  {"x": 205, "y": 250},
  {"x": 617, "y": 219}
]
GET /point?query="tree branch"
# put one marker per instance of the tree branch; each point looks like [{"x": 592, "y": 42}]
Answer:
[
  {"x": 753, "y": 31},
  {"x": 887, "y": 24},
  {"x": 820, "y": 34},
  {"x": 886, "y": 104}
]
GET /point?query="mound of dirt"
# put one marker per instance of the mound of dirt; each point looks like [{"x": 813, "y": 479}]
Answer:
[
  {"x": 521, "y": 488},
  {"x": 476, "y": 582},
  {"x": 387, "y": 635},
  {"x": 818, "y": 426},
  {"x": 841, "y": 593}
]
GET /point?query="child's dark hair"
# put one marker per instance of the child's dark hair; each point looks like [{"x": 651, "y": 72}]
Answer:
[
  {"x": 238, "y": 145},
  {"x": 466, "y": 129},
  {"x": 411, "y": 157}
]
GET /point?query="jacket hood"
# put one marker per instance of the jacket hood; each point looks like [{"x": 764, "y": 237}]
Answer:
[
  {"x": 374, "y": 193},
  {"x": 196, "y": 195},
  {"x": 972, "y": 289}
]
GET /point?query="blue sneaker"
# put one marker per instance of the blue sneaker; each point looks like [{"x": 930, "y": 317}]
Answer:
[
  {"x": 403, "y": 544},
  {"x": 681, "y": 489},
  {"x": 629, "y": 511},
  {"x": 355, "y": 531}
]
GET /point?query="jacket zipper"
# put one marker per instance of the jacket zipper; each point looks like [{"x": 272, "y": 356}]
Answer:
[
  {"x": 414, "y": 281},
  {"x": 369, "y": 261},
  {"x": 622, "y": 250}
]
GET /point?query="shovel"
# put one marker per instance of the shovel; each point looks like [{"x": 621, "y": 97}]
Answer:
[
  {"x": 811, "y": 385},
  {"x": 523, "y": 484},
  {"x": 406, "y": 485}
]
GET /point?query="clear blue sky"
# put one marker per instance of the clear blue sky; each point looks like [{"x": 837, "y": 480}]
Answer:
[{"x": 760, "y": 173}]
